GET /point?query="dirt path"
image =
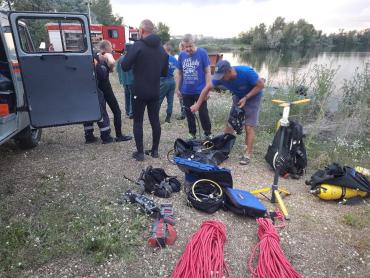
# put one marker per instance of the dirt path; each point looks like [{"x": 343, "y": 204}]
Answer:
[{"x": 322, "y": 239}]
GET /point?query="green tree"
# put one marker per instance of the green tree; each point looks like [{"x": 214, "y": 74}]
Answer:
[
  {"x": 33, "y": 5},
  {"x": 275, "y": 33},
  {"x": 102, "y": 9},
  {"x": 163, "y": 32},
  {"x": 259, "y": 37}
]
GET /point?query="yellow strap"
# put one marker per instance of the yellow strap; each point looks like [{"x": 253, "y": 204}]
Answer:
[
  {"x": 301, "y": 102},
  {"x": 278, "y": 101}
]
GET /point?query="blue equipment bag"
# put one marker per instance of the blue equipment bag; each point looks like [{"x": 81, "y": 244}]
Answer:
[
  {"x": 244, "y": 203},
  {"x": 196, "y": 170}
]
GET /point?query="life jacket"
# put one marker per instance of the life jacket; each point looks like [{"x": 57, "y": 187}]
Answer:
[{"x": 293, "y": 158}]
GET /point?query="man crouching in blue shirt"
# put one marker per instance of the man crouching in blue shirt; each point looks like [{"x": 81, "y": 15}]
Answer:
[{"x": 246, "y": 87}]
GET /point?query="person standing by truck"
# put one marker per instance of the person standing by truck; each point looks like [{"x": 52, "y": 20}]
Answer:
[
  {"x": 168, "y": 84},
  {"x": 126, "y": 78},
  {"x": 193, "y": 75},
  {"x": 105, "y": 58},
  {"x": 149, "y": 62},
  {"x": 103, "y": 124}
]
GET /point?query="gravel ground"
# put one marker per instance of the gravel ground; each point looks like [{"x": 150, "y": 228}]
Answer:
[{"x": 317, "y": 240}]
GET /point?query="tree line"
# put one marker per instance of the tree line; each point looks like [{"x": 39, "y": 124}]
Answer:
[
  {"x": 101, "y": 10},
  {"x": 283, "y": 35}
]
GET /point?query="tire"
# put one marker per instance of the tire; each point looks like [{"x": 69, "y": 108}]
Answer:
[{"x": 28, "y": 138}]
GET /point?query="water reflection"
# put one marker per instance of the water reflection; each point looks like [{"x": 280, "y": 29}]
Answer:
[{"x": 277, "y": 67}]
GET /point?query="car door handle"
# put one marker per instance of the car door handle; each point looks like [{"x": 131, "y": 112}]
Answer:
[{"x": 43, "y": 57}]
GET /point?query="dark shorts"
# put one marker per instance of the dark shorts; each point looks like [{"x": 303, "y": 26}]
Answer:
[{"x": 251, "y": 110}]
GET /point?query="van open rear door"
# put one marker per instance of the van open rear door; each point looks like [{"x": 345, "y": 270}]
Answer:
[{"x": 56, "y": 67}]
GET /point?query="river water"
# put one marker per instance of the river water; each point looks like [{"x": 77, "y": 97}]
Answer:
[{"x": 278, "y": 68}]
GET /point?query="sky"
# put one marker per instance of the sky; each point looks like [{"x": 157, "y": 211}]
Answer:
[{"x": 227, "y": 18}]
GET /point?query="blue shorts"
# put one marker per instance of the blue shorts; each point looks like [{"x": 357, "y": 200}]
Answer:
[{"x": 251, "y": 110}]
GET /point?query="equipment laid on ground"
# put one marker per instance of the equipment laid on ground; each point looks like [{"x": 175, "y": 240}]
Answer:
[
  {"x": 211, "y": 189},
  {"x": 156, "y": 181},
  {"x": 279, "y": 159},
  {"x": 147, "y": 205},
  {"x": 166, "y": 212},
  {"x": 244, "y": 203},
  {"x": 196, "y": 170},
  {"x": 335, "y": 182},
  {"x": 162, "y": 232},
  {"x": 272, "y": 262},
  {"x": 292, "y": 158},
  {"x": 204, "y": 253},
  {"x": 211, "y": 151},
  {"x": 206, "y": 195}
]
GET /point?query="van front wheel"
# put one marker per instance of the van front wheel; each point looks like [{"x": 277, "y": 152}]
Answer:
[{"x": 28, "y": 138}]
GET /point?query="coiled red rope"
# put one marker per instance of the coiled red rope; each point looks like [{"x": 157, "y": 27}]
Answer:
[
  {"x": 204, "y": 253},
  {"x": 272, "y": 262}
]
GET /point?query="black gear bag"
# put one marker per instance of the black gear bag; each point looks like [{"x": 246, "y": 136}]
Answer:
[
  {"x": 156, "y": 181},
  {"x": 213, "y": 151},
  {"x": 293, "y": 158}
]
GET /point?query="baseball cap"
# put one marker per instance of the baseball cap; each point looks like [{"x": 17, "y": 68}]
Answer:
[{"x": 220, "y": 69}]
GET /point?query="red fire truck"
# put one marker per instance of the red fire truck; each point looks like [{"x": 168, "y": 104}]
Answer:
[{"x": 70, "y": 36}]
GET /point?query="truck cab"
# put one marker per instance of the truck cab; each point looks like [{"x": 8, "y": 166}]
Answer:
[{"x": 42, "y": 85}]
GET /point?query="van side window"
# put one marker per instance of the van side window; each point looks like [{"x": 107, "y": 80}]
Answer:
[
  {"x": 25, "y": 39},
  {"x": 53, "y": 35}
]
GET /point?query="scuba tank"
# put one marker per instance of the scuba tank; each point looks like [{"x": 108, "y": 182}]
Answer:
[
  {"x": 333, "y": 192},
  {"x": 364, "y": 171}
]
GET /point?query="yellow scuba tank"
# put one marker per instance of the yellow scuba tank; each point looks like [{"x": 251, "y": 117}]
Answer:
[
  {"x": 364, "y": 171},
  {"x": 335, "y": 192}
]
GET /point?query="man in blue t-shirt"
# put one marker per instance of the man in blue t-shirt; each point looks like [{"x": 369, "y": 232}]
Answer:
[
  {"x": 193, "y": 75},
  {"x": 246, "y": 87},
  {"x": 168, "y": 84}
]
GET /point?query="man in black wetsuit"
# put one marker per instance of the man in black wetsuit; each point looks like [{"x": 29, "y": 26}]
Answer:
[{"x": 149, "y": 62}]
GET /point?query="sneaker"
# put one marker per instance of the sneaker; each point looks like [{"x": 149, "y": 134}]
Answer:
[
  {"x": 153, "y": 153},
  {"x": 208, "y": 137},
  {"x": 122, "y": 138},
  {"x": 181, "y": 117},
  {"x": 245, "y": 160},
  {"x": 168, "y": 119},
  {"x": 107, "y": 140},
  {"x": 138, "y": 156},
  {"x": 191, "y": 136},
  {"x": 90, "y": 139}
]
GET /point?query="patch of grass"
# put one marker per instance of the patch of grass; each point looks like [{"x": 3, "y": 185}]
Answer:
[
  {"x": 354, "y": 220},
  {"x": 110, "y": 236},
  {"x": 98, "y": 232}
]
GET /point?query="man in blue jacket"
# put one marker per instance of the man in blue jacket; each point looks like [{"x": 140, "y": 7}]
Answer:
[
  {"x": 246, "y": 86},
  {"x": 149, "y": 62}
]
